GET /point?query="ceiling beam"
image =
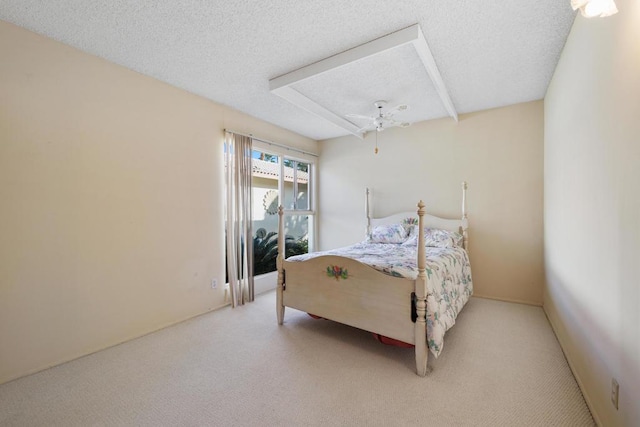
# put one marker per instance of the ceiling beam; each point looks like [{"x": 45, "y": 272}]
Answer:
[
  {"x": 281, "y": 85},
  {"x": 296, "y": 98},
  {"x": 374, "y": 47},
  {"x": 423, "y": 51}
]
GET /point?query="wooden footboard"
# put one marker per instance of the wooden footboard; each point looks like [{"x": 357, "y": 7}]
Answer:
[{"x": 352, "y": 293}]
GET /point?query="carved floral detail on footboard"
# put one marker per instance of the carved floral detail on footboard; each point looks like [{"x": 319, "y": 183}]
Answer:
[{"x": 337, "y": 272}]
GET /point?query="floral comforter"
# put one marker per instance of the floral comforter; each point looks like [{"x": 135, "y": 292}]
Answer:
[{"x": 448, "y": 278}]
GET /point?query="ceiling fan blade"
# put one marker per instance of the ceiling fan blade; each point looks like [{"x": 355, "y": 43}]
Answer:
[
  {"x": 391, "y": 122},
  {"x": 365, "y": 129},
  {"x": 396, "y": 109},
  {"x": 359, "y": 116}
]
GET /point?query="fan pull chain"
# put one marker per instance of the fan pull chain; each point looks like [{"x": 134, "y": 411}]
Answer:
[{"x": 376, "y": 150}]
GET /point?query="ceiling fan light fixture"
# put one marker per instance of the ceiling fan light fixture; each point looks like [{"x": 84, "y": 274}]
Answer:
[{"x": 384, "y": 119}]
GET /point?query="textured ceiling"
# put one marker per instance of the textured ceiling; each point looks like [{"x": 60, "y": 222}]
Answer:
[{"x": 490, "y": 53}]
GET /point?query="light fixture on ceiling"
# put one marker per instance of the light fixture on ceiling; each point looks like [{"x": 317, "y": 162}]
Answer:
[
  {"x": 595, "y": 8},
  {"x": 382, "y": 120}
]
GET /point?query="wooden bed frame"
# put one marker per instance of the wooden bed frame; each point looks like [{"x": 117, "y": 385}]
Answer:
[{"x": 360, "y": 296}]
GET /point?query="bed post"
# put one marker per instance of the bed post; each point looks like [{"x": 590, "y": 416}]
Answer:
[
  {"x": 367, "y": 212},
  {"x": 281, "y": 253},
  {"x": 422, "y": 350},
  {"x": 465, "y": 222}
]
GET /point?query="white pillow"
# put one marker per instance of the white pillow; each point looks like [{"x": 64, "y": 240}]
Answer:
[
  {"x": 393, "y": 233},
  {"x": 435, "y": 238}
]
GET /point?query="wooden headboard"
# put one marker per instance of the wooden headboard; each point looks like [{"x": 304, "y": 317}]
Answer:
[{"x": 430, "y": 221}]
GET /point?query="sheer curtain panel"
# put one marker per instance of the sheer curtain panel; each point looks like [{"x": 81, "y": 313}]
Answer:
[{"x": 239, "y": 235}]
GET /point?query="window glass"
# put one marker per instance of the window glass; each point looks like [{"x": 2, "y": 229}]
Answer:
[
  {"x": 296, "y": 185},
  {"x": 297, "y": 232},
  {"x": 266, "y": 180}
]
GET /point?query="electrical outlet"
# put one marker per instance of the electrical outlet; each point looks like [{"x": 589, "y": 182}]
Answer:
[
  {"x": 214, "y": 283},
  {"x": 615, "y": 392}
]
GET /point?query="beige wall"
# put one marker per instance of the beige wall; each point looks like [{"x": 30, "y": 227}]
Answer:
[
  {"x": 498, "y": 152},
  {"x": 111, "y": 202},
  {"x": 592, "y": 209}
]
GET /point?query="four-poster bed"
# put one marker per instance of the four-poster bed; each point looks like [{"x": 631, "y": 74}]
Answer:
[{"x": 407, "y": 304}]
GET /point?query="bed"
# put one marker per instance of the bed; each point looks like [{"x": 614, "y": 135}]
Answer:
[{"x": 413, "y": 299}]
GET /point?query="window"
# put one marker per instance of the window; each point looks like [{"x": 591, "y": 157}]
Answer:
[{"x": 275, "y": 174}]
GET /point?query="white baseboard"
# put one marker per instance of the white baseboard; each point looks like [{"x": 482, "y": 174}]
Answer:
[{"x": 537, "y": 304}]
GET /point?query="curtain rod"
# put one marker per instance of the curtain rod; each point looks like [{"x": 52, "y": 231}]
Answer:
[{"x": 272, "y": 143}]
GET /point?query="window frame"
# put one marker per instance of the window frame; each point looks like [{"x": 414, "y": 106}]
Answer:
[
  {"x": 310, "y": 183},
  {"x": 297, "y": 156}
]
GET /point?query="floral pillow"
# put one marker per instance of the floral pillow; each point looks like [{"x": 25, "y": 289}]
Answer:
[
  {"x": 435, "y": 237},
  {"x": 393, "y": 233},
  {"x": 409, "y": 224}
]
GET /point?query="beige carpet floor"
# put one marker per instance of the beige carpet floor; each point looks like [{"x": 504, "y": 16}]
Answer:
[{"x": 501, "y": 366}]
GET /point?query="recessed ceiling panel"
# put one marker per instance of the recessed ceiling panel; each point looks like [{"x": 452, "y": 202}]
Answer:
[
  {"x": 391, "y": 53},
  {"x": 396, "y": 75}
]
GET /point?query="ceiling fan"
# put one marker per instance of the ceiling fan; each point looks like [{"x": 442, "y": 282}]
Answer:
[{"x": 382, "y": 120}]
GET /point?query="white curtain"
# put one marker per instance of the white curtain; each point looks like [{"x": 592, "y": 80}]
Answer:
[{"x": 238, "y": 206}]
